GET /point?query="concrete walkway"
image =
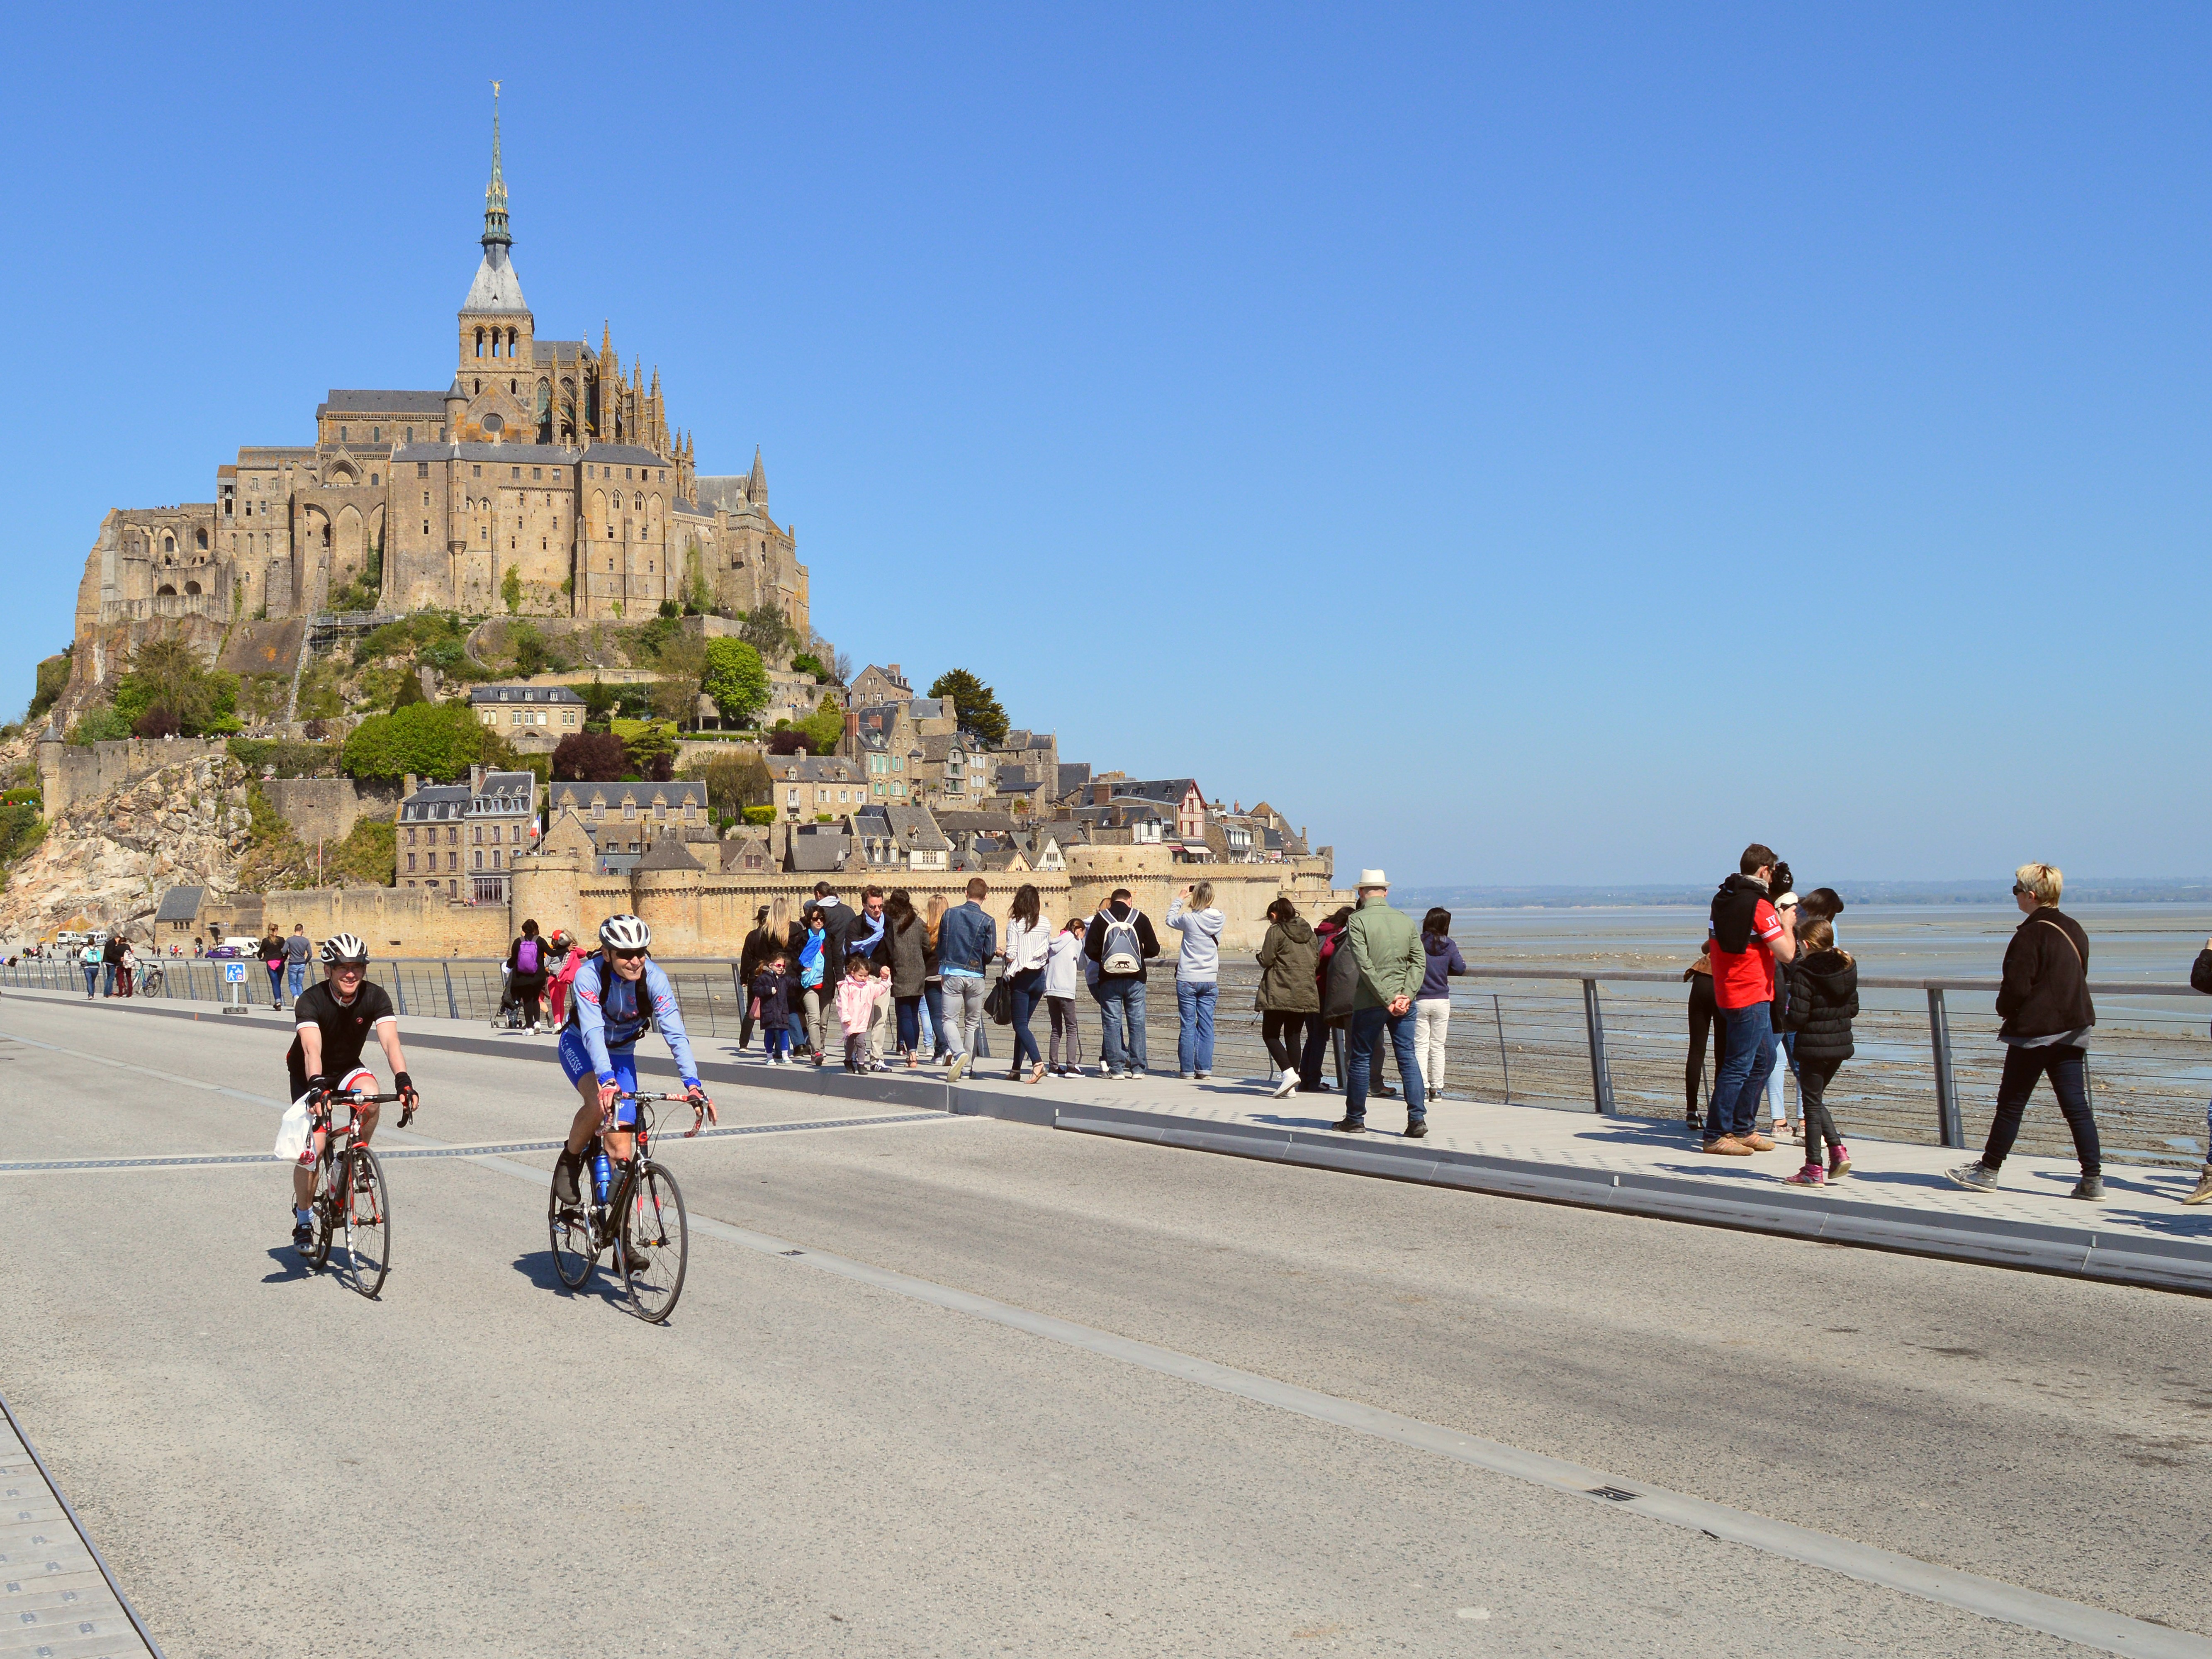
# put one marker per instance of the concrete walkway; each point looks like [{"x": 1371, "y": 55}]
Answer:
[{"x": 1896, "y": 1198}]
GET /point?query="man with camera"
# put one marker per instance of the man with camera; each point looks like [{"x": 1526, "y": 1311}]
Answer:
[{"x": 1749, "y": 936}]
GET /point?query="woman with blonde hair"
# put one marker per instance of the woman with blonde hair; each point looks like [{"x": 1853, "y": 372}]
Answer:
[{"x": 2044, "y": 1000}]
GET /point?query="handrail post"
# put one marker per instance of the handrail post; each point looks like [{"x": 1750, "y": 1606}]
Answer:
[
  {"x": 1947, "y": 1126},
  {"x": 1601, "y": 1076},
  {"x": 452, "y": 1008},
  {"x": 1505, "y": 1065}
]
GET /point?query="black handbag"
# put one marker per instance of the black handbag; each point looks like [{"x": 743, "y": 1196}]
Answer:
[{"x": 998, "y": 1002}]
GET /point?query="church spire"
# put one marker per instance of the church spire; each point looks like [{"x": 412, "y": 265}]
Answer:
[{"x": 495, "y": 228}]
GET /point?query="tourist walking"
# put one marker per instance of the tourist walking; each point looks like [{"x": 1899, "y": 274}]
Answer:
[
  {"x": 1748, "y": 938},
  {"x": 2044, "y": 1001},
  {"x": 759, "y": 945},
  {"x": 905, "y": 951},
  {"x": 1198, "y": 977},
  {"x": 1029, "y": 942},
  {"x": 858, "y": 993},
  {"x": 1290, "y": 995},
  {"x": 90, "y": 959},
  {"x": 965, "y": 945},
  {"x": 526, "y": 962},
  {"x": 932, "y": 980},
  {"x": 297, "y": 948},
  {"x": 1336, "y": 995},
  {"x": 1778, "y": 1078},
  {"x": 769, "y": 1004},
  {"x": 1386, "y": 951},
  {"x": 126, "y": 970},
  {"x": 1441, "y": 964},
  {"x": 864, "y": 937},
  {"x": 272, "y": 959},
  {"x": 1120, "y": 942},
  {"x": 1063, "y": 972},
  {"x": 111, "y": 958},
  {"x": 566, "y": 959},
  {"x": 1704, "y": 1015},
  {"x": 836, "y": 922},
  {"x": 2200, "y": 979},
  {"x": 816, "y": 990},
  {"x": 1824, "y": 1000}
]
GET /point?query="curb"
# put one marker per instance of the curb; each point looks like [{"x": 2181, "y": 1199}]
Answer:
[{"x": 2071, "y": 1252}]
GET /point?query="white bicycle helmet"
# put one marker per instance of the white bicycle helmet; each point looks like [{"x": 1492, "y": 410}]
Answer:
[
  {"x": 625, "y": 933},
  {"x": 344, "y": 947}
]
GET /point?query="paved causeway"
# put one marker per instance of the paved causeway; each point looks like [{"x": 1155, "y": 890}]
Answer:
[{"x": 951, "y": 1385}]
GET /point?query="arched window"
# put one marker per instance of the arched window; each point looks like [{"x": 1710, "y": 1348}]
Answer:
[
  {"x": 202, "y": 537},
  {"x": 191, "y": 587},
  {"x": 168, "y": 544},
  {"x": 165, "y": 591}
]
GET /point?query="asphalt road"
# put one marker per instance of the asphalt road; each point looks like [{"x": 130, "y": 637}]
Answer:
[{"x": 800, "y": 1463}]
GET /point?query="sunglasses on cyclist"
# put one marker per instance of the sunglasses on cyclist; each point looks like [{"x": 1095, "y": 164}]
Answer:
[{"x": 625, "y": 956}]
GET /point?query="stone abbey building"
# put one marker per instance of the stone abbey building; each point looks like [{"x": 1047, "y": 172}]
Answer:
[{"x": 542, "y": 461}]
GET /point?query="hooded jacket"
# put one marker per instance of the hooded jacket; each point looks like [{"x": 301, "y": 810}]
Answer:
[
  {"x": 1288, "y": 958},
  {"x": 1443, "y": 961},
  {"x": 1824, "y": 1000},
  {"x": 1199, "y": 963}
]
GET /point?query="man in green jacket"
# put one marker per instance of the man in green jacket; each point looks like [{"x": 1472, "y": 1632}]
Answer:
[{"x": 1388, "y": 948}]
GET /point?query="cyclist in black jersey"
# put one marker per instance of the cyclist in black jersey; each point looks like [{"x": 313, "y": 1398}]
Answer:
[{"x": 336, "y": 1020}]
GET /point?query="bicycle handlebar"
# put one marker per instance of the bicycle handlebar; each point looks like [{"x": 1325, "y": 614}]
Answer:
[{"x": 353, "y": 1098}]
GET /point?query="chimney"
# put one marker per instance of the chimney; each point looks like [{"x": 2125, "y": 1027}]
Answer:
[
  {"x": 475, "y": 778},
  {"x": 896, "y": 678},
  {"x": 1101, "y": 794}
]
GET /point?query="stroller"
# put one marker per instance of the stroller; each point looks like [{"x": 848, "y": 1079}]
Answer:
[{"x": 508, "y": 1016}]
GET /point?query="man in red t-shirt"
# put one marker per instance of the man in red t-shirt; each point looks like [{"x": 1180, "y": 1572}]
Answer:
[{"x": 1749, "y": 936}]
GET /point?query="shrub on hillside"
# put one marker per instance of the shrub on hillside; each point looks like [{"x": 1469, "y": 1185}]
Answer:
[{"x": 590, "y": 758}]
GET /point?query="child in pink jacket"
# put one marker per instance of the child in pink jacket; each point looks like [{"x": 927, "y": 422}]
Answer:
[{"x": 856, "y": 1005}]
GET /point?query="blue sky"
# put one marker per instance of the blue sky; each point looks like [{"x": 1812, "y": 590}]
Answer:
[{"x": 1526, "y": 444}]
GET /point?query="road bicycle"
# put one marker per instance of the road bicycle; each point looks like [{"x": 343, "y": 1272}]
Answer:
[
  {"x": 641, "y": 1225},
  {"x": 350, "y": 1198}
]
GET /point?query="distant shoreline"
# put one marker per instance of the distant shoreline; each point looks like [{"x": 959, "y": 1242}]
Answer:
[{"x": 2090, "y": 891}]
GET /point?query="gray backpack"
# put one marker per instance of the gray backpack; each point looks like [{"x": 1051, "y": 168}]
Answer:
[
  {"x": 1119, "y": 950},
  {"x": 1343, "y": 989}
]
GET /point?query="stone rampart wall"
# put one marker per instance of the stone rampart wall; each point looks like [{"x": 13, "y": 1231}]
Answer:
[
  {"x": 326, "y": 809},
  {"x": 72, "y": 773},
  {"x": 395, "y": 921}
]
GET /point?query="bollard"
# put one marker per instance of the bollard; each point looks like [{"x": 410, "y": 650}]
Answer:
[
  {"x": 1601, "y": 1076},
  {"x": 1948, "y": 1130}
]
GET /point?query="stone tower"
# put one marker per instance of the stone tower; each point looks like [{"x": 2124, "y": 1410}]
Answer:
[{"x": 496, "y": 323}]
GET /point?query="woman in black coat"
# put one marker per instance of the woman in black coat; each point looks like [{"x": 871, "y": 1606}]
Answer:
[{"x": 1824, "y": 1000}]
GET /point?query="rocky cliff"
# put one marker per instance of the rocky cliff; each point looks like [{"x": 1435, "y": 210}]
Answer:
[{"x": 109, "y": 860}]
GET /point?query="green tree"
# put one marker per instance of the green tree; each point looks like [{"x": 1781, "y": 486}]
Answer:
[
  {"x": 510, "y": 590},
  {"x": 651, "y": 747},
  {"x": 764, "y": 627},
  {"x": 531, "y": 656},
  {"x": 734, "y": 782},
  {"x": 436, "y": 740},
  {"x": 825, "y": 727},
  {"x": 974, "y": 703},
  {"x": 169, "y": 690},
  {"x": 98, "y": 723},
  {"x": 600, "y": 699},
  {"x": 682, "y": 665},
  {"x": 736, "y": 679}
]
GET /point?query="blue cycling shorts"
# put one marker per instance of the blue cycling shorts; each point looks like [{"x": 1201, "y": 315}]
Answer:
[{"x": 576, "y": 1061}]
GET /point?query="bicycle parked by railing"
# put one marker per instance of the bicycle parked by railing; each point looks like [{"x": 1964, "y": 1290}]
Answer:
[
  {"x": 152, "y": 981},
  {"x": 636, "y": 1215},
  {"x": 350, "y": 1194}
]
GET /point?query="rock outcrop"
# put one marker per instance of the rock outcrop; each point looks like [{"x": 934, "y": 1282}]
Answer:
[{"x": 110, "y": 859}]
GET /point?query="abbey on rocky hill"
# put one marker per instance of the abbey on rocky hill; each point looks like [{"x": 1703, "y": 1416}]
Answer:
[{"x": 542, "y": 465}]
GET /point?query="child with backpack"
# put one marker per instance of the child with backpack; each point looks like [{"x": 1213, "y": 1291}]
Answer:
[
  {"x": 771, "y": 1009},
  {"x": 856, "y": 1008},
  {"x": 1824, "y": 999}
]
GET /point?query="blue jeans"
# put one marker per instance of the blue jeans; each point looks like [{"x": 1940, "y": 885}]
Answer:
[
  {"x": 91, "y": 981},
  {"x": 1749, "y": 1056},
  {"x": 1121, "y": 1021},
  {"x": 933, "y": 1013},
  {"x": 1367, "y": 1024},
  {"x": 107, "y": 979},
  {"x": 295, "y": 979},
  {"x": 1028, "y": 990},
  {"x": 1195, "y": 1011},
  {"x": 909, "y": 1022}
]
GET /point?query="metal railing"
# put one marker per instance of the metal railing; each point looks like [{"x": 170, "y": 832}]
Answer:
[{"x": 1925, "y": 1067}]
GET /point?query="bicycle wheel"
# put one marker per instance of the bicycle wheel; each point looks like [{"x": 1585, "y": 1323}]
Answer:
[
  {"x": 570, "y": 1226},
  {"x": 323, "y": 1215},
  {"x": 655, "y": 1242},
  {"x": 368, "y": 1224}
]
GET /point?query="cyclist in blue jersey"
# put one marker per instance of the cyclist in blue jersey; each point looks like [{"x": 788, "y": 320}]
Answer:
[{"x": 616, "y": 995}]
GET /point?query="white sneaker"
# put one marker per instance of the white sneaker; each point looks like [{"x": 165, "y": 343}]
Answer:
[{"x": 1288, "y": 1085}]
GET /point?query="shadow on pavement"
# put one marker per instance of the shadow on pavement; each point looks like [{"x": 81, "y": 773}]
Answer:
[{"x": 537, "y": 1267}]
